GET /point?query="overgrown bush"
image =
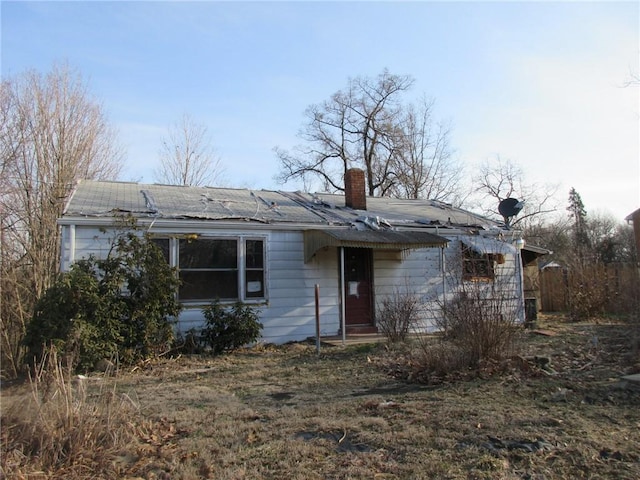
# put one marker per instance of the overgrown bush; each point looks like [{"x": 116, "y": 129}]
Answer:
[
  {"x": 482, "y": 326},
  {"x": 397, "y": 314},
  {"x": 587, "y": 292},
  {"x": 478, "y": 328},
  {"x": 119, "y": 307},
  {"x": 228, "y": 329}
]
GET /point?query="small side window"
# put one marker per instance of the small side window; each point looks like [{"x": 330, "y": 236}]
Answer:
[
  {"x": 254, "y": 268},
  {"x": 477, "y": 266}
]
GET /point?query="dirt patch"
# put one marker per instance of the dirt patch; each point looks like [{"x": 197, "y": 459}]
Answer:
[
  {"x": 391, "y": 389},
  {"x": 289, "y": 413}
]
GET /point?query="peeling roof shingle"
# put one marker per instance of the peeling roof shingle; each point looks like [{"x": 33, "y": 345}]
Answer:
[{"x": 103, "y": 199}]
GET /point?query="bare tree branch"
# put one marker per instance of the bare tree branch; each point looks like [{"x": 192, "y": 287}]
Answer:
[
  {"x": 52, "y": 134},
  {"x": 402, "y": 151},
  {"x": 499, "y": 179},
  {"x": 425, "y": 165},
  {"x": 356, "y": 127},
  {"x": 187, "y": 156}
]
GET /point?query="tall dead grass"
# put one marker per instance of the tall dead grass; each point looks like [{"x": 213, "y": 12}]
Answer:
[{"x": 61, "y": 427}]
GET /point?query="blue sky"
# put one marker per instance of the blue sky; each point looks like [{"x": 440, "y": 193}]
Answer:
[{"x": 539, "y": 83}]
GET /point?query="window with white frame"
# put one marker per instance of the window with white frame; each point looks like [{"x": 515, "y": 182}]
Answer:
[
  {"x": 227, "y": 269},
  {"x": 254, "y": 268}
]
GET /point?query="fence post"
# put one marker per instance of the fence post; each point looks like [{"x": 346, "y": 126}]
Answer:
[{"x": 318, "y": 318}]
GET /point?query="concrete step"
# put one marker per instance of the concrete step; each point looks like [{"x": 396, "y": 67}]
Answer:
[{"x": 361, "y": 329}]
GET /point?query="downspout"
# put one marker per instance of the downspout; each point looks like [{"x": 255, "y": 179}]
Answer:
[
  {"x": 343, "y": 308},
  {"x": 444, "y": 284},
  {"x": 519, "y": 244},
  {"x": 72, "y": 246}
]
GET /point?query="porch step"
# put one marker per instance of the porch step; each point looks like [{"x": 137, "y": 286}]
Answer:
[{"x": 361, "y": 329}]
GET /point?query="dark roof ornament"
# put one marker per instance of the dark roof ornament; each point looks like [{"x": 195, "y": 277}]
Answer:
[{"x": 509, "y": 208}]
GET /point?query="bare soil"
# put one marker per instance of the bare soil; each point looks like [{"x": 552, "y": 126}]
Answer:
[{"x": 348, "y": 413}]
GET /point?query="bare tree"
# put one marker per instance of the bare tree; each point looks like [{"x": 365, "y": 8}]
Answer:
[
  {"x": 632, "y": 80},
  {"x": 611, "y": 240},
  {"x": 499, "y": 179},
  {"x": 554, "y": 234},
  {"x": 573, "y": 238},
  {"x": 358, "y": 127},
  {"x": 187, "y": 156},
  {"x": 52, "y": 134},
  {"x": 424, "y": 166}
]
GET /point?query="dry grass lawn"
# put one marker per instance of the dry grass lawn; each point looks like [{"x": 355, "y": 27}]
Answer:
[{"x": 287, "y": 413}]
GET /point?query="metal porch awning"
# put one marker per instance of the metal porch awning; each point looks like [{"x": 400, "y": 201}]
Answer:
[
  {"x": 488, "y": 246},
  {"x": 531, "y": 253},
  {"x": 314, "y": 240}
]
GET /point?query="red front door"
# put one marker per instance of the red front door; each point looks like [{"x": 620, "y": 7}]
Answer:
[{"x": 358, "y": 286}]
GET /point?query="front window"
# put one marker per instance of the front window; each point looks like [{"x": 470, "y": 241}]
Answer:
[
  {"x": 227, "y": 269},
  {"x": 208, "y": 269}
]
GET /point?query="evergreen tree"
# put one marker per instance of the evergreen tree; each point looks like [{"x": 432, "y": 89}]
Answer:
[{"x": 579, "y": 215}]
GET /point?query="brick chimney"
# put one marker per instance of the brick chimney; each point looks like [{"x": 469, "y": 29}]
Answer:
[{"x": 354, "y": 189}]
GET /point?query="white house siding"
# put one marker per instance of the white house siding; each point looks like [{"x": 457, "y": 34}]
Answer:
[
  {"x": 435, "y": 280},
  {"x": 81, "y": 242},
  {"x": 289, "y": 312},
  {"x": 417, "y": 272},
  {"x": 505, "y": 287}
]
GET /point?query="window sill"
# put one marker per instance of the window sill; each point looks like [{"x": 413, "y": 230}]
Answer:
[
  {"x": 478, "y": 279},
  {"x": 199, "y": 304}
]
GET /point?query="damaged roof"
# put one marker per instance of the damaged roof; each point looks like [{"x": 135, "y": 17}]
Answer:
[
  {"x": 409, "y": 212},
  {"x": 105, "y": 199}
]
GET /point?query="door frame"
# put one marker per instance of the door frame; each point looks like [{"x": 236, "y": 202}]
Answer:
[{"x": 343, "y": 284}]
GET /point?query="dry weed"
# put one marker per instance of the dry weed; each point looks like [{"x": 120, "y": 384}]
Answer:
[
  {"x": 61, "y": 425},
  {"x": 289, "y": 413}
]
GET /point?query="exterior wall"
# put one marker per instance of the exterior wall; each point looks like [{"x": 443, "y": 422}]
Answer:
[
  {"x": 437, "y": 280},
  {"x": 290, "y": 314},
  {"x": 505, "y": 289},
  {"x": 417, "y": 272},
  {"x": 289, "y": 311},
  {"x": 81, "y": 242}
]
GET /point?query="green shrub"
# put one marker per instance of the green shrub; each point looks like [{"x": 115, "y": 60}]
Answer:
[
  {"x": 117, "y": 307},
  {"x": 228, "y": 329}
]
